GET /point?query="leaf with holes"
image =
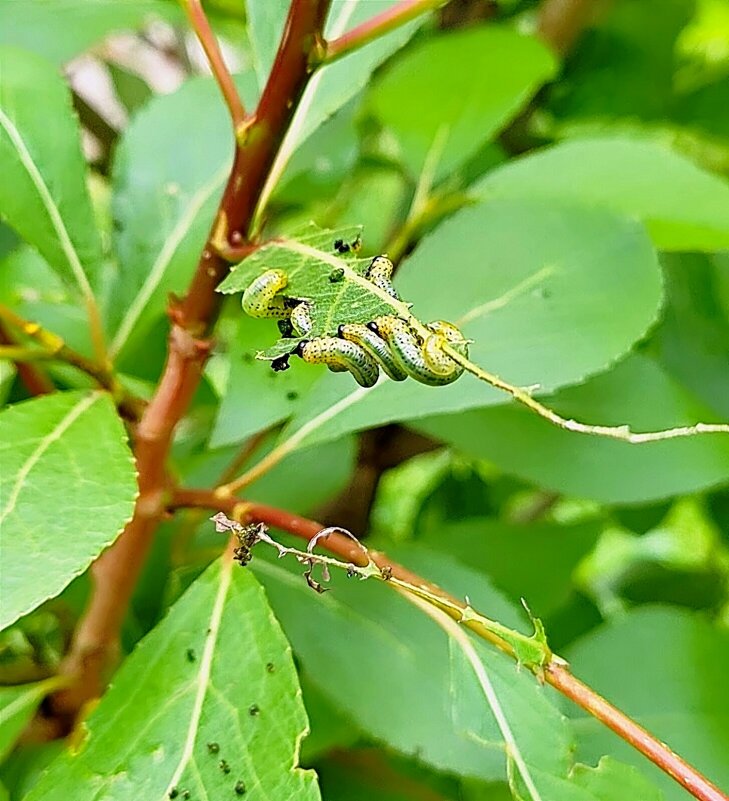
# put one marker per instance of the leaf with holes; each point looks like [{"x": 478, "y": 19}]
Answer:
[
  {"x": 548, "y": 294},
  {"x": 372, "y": 631},
  {"x": 208, "y": 705},
  {"x": 67, "y": 487},
  {"x": 334, "y": 288},
  {"x": 676, "y": 687},
  {"x": 43, "y": 189}
]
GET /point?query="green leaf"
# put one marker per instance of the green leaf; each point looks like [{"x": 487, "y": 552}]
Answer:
[
  {"x": 33, "y": 24},
  {"x": 638, "y": 392},
  {"x": 692, "y": 341},
  {"x": 483, "y": 679},
  {"x": 166, "y": 190},
  {"x": 534, "y": 561},
  {"x": 217, "y": 671},
  {"x": 67, "y": 485},
  {"x": 398, "y": 670},
  {"x": 266, "y": 20},
  {"x": 133, "y": 92},
  {"x": 335, "y": 288},
  {"x": 332, "y": 85},
  {"x": 30, "y": 286},
  {"x": 537, "y": 771},
  {"x": 300, "y": 482},
  {"x": 255, "y": 399},
  {"x": 683, "y": 207},
  {"x": 667, "y": 669},
  {"x": 625, "y": 66},
  {"x": 7, "y": 377},
  {"x": 17, "y": 706},
  {"x": 417, "y": 98},
  {"x": 43, "y": 192},
  {"x": 549, "y": 294},
  {"x": 614, "y": 781}
]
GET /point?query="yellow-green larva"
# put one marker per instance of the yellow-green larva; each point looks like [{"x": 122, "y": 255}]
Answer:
[
  {"x": 439, "y": 361},
  {"x": 375, "y": 346},
  {"x": 379, "y": 273},
  {"x": 341, "y": 354},
  {"x": 432, "y": 367},
  {"x": 301, "y": 318},
  {"x": 260, "y": 298}
]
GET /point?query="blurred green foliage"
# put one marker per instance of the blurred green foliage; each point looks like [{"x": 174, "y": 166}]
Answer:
[{"x": 571, "y": 212}]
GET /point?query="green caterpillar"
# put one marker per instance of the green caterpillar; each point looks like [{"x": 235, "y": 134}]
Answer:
[
  {"x": 387, "y": 342},
  {"x": 340, "y": 355},
  {"x": 375, "y": 346},
  {"x": 425, "y": 361},
  {"x": 380, "y": 273}
]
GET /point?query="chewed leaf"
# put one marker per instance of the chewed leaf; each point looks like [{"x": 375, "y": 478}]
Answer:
[{"x": 330, "y": 281}]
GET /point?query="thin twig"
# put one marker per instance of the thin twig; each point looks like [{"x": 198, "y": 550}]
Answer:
[
  {"x": 54, "y": 348},
  {"x": 399, "y": 14},
  {"x": 206, "y": 37},
  {"x": 623, "y": 433},
  {"x": 555, "y": 671}
]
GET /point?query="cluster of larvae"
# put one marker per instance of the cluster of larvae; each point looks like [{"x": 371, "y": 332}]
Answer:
[{"x": 387, "y": 342}]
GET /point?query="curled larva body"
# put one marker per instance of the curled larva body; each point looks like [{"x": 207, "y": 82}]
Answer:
[
  {"x": 341, "y": 354},
  {"x": 375, "y": 346},
  {"x": 410, "y": 353},
  {"x": 259, "y": 299},
  {"x": 380, "y": 272},
  {"x": 301, "y": 319},
  {"x": 439, "y": 361}
]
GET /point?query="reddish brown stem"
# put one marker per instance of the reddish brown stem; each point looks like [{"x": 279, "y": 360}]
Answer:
[
  {"x": 206, "y": 37},
  {"x": 394, "y": 17},
  {"x": 659, "y": 753},
  {"x": 116, "y": 572},
  {"x": 555, "y": 672}
]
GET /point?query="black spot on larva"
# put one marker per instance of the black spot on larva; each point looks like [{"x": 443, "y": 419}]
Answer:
[{"x": 299, "y": 349}]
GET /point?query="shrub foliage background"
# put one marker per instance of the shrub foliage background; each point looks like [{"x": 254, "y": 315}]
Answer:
[{"x": 560, "y": 194}]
